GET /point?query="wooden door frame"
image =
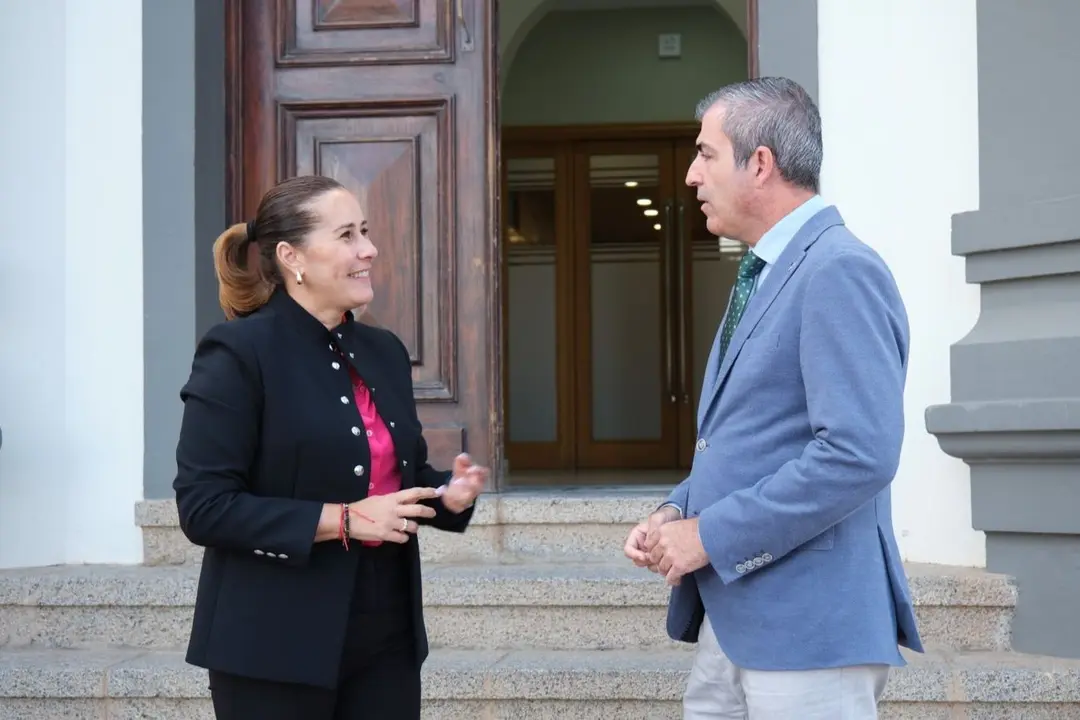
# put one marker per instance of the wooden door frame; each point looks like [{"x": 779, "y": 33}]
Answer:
[
  {"x": 552, "y": 136},
  {"x": 540, "y": 135}
]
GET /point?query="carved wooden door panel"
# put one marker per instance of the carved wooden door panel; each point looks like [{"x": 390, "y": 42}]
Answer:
[{"x": 395, "y": 99}]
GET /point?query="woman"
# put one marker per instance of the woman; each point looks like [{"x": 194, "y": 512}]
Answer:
[{"x": 303, "y": 472}]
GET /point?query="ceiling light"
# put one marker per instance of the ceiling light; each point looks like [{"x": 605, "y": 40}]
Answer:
[
  {"x": 631, "y": 183},
  {"x": 643, "y": 202},
  {"x": 651, "y": 213}
]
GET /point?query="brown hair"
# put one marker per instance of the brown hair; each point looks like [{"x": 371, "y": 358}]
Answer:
[{"x": 245, "y": 255}]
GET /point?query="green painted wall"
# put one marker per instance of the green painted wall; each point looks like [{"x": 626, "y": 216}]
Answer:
[{"x": 602, "y": 66}]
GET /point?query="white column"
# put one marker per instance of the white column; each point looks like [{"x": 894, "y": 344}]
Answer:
[
  {"x": 71, "y": 359},
  {"x": 899, "y": 104}
]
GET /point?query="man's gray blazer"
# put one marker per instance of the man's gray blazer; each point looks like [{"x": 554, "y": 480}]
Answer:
[{"x": 800, "y": 428}]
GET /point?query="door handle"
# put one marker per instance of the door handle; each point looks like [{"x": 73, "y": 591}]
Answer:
[
  {"x": 467, "y": 44},
  {"x": 684, "y": 333},
  {"x": 669, "y": 270}
]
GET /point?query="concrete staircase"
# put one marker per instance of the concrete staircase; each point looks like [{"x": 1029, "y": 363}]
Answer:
[{"x": 532, "y": 614}]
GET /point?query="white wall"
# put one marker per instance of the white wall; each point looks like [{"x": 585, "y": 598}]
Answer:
[
  {"x": 71, "y": 355},
  {"x": 898, "y": 96}
]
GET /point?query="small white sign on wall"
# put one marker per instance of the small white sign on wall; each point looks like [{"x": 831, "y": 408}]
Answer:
[{"x": 670, "y": 45}]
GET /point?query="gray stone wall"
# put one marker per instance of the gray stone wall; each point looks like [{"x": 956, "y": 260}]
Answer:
[
  {"x": 788, "y": 41},
  {"x": 1015, "y": 410},
  {"x": 183, "y": 209}
]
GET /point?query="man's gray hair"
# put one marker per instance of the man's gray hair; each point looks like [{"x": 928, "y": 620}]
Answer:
[{"x": 776, "y": 113}]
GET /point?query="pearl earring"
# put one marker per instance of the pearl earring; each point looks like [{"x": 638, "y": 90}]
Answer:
[{"x": 299, "y": 278}]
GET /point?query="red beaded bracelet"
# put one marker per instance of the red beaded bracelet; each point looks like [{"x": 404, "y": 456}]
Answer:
[{"x": 343, "y": 528}]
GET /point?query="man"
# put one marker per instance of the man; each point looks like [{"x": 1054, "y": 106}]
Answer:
[{"x": 780, "y": 543}]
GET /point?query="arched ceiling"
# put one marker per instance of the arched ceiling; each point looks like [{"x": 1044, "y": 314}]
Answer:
[{"x": 518, "y": 17}]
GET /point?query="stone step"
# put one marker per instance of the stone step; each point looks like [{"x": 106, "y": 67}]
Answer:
[
  {"x": 570, "y": 685},
  {"x": 570, "y": 526},
  {"x": 488, "y": 606}
]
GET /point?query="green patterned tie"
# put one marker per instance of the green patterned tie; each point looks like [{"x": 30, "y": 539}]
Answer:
[{"x": 749, "y": 268}]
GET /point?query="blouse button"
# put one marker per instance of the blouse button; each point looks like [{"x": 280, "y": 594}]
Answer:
[
  {"x": 335, "y": 365},
  {"x": 356, "y": 431},
  {"x": 371, "y": 486},
  {"x": 370, "y": 433},
  {"x": 358, "y": 470},
  {"x": 344, "y": 400}
]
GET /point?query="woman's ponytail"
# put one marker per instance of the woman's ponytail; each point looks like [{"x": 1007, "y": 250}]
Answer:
[{"x": 243, "y": 285}]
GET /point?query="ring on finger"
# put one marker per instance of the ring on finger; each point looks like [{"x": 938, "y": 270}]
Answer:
[{"x": 404, "y": 524}]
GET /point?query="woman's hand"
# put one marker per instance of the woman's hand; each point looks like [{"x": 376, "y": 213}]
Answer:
[
  {"x": 386, "y": 517},
  {"x": 466, "y": 483}
]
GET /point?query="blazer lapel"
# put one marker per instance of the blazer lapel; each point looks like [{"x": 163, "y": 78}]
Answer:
[
  {"x": 712, "y": 367},
  {"x": 762, "y": 300}
]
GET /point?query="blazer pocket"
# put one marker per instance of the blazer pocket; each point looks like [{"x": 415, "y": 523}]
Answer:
[
  {"x": 824, "y": 541},
  {"x": 764, "y": 341}
]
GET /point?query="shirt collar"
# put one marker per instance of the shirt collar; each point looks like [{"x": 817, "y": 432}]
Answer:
[{"x": 773, "y": 242}]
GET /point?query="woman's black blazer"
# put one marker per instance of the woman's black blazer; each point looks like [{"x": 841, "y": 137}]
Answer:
[{"x": 270, "y": 432}]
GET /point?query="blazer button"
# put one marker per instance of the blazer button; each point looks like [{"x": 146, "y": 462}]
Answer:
[
  {"x": 701, "y": 445},
  {"x": 391, "y": 423},
  {"x": 405, "y": 463},
  {"x": 740, "y": 568},
  {"x": 358, "y": 470},
  {"x": 344, "y": 400},
  {"x": 259, "y": 552},
  {"x": 336, "y": 365},
  {"x": 356, "y": 431}
]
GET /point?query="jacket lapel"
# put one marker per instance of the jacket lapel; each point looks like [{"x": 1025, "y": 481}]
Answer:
[
  {"x": 786, "y": 265},
  {"x": 712, "y": 367}
]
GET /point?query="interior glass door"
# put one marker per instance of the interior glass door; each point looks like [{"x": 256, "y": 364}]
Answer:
[
  {"x": 626, "y": 359},
  {"x": 537, "y": 309}
]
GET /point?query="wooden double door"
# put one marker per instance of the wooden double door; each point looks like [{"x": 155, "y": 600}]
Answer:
[
  {"x": 397, "y": 101},
  {"x": 613, "y": 290}
]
